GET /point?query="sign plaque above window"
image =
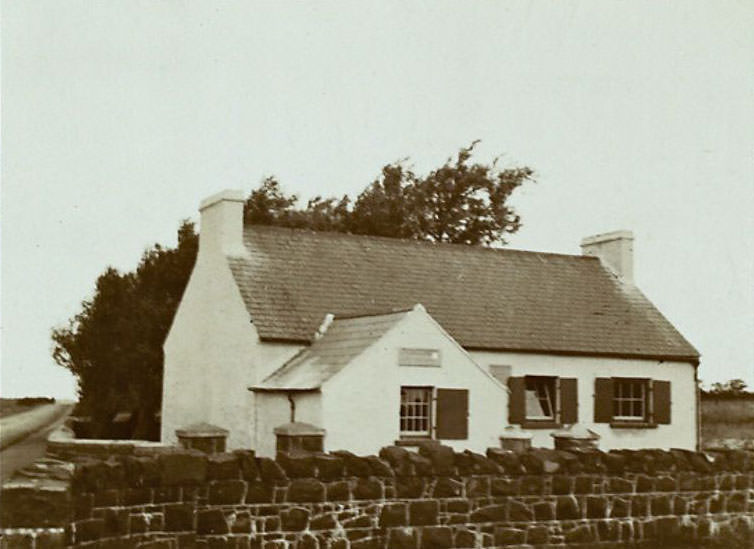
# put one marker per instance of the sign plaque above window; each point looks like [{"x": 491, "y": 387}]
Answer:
[{"x": 419, "y": 357}]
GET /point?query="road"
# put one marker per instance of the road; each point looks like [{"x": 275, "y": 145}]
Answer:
[{"x": 24, "y": 452}]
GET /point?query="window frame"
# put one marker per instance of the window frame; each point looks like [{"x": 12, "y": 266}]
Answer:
[
  {"x": 428, "y": 434},
  {"x": 553, "y": 401},
  {"x": 647, "y": 419},
  {"x": 619, "y": 386}
]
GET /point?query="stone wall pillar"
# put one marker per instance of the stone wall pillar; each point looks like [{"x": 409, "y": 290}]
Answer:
[
  {"x": 576, "y": 437},
  {"x": 204, "y": 437},
  {"x": 298, "y": 438},
  {"x": 515, "y": 439}
]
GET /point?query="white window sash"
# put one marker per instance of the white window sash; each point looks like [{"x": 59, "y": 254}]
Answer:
[
  {"x": 625, "y": 396},
  {"x": 413, "y": 416}
]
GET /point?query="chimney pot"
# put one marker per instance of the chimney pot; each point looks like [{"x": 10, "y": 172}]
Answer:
[{"x": 615, "y": 250}]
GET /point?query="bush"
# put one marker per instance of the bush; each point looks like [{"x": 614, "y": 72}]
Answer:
[{"x": 35, "y": 401}]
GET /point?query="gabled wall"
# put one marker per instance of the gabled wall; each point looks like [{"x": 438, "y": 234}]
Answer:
[
  {"x": 361, "y": 404},
  {"x": 212, "y": 354},
  {"x": 209, "y": 355},
  {"x": 682, "y": 431}
]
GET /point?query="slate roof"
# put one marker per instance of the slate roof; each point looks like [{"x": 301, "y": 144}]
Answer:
[
  {"x": 344, "y": 340},
  {"x": 495, "y": 299}
]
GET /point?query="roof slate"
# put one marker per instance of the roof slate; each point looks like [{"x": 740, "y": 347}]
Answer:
[
  {"x": 486, "y": 298},
  {"x": 343, "y": 341}
]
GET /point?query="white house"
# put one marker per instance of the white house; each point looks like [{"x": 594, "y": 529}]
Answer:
[{"x": 379, "y": 340}]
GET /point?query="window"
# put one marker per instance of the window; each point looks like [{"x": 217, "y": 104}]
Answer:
[
  {"x": 429, "y": 412},
  {"x": 630, "y": 402},
  {"x": 543, "y": 402},
  {"x": 416, "y": 411},
  {"x": 626, "y": 402},
  {"x": 540, "y": 394}
]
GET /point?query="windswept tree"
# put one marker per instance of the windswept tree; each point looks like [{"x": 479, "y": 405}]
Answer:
[
  {"x": 461, "y": 202},
  {"x": 114, "y": 345}
]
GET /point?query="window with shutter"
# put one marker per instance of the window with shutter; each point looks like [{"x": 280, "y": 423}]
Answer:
[
  {"x": 452, "y": 414},
  {"x": 535, "y": 401},
  {"x": 631, "y": 402}
]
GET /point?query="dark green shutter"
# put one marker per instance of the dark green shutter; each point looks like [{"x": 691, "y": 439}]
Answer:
[
  {"x": 603, "y": 400},
  {"x": 516, "y": 401},
  {"x": 452, "y": 414},
  {"x": 661, "y": 402},
  {"x": 569, "y": 400}
]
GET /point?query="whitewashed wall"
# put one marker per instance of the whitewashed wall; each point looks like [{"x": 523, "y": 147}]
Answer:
[
  {"x": 212, "y": 355},
  {"x": 209, "y": 356},
  {"x": 361, "y": 404},
  {"x": 274, "y": 409},
  {"x": 212, "y": 351},
  {"x": 681, "y": 433},
  {"x": 271, "y": 356}
]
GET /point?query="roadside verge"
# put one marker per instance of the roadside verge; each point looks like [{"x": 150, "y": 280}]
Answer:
[{"x": 16, "y": 427}]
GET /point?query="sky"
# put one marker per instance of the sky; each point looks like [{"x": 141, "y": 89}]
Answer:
[{"x": 119, "y": 117}]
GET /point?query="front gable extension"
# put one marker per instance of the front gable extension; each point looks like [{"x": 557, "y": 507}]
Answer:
[{"x": 355, "y": 371}]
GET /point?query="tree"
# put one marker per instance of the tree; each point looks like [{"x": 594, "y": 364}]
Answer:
[
  {"x": 731, "y": 387},
  {"x": 114, "y": 345},
  {"x": 460, "y": 202},
  {"x": 269, "y": 205},
  {"x": 464, "y": 203}
]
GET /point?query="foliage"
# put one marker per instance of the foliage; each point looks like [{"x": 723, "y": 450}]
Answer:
[
  {"x": 10, "y": 406},
  {"x": 35, "y": 401},
  {"x": 269, "y": 205},
  {"x": 114, "y": 345},
  {"x": 732, "y": 387},
  {"x": 460, "y": 202}
]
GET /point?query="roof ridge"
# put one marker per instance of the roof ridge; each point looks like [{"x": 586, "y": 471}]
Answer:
[
  {"x": 415, "y": 242},
  {"x": 372, "y": 314}
]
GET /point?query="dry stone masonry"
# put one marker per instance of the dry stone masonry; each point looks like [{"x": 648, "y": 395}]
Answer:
[{"x": 437, "y": 498}]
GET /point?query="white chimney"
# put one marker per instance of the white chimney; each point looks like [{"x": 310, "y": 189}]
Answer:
[
  {"x": 221, "y": 227},
  {"x": 615, "y": 250}
]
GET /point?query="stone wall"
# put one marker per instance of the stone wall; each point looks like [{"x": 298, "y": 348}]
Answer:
[{"x": 167, "y": 498}]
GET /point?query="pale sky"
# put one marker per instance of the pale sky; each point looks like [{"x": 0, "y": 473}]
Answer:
[{"x": 119, "y": 117}]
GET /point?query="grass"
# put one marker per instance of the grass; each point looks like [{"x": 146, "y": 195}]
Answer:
[
  {"x": 727, "y": 418},
  {"x": 10, "y": 406}
]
